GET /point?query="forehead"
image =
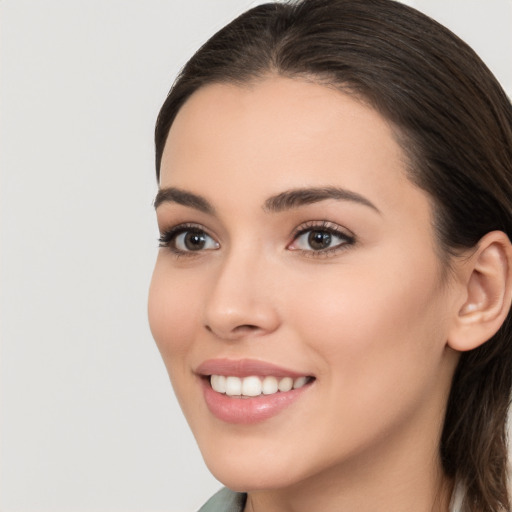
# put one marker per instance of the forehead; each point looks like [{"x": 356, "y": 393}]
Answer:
[
  {"x": 282, "y": 133},
  {"x": 279, "y": 112}
]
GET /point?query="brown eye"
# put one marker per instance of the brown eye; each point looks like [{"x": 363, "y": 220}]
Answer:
[
  {"x": 319, "y": 240},
  {"x": 186, "y": 240},
  {"x": 194, "y": 241}
]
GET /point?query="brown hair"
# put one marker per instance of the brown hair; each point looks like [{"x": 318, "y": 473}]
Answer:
[{"x": 453, "y": 121}]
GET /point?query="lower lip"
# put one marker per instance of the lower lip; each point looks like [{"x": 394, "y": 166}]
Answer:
[{"x": 248, "y": 410}]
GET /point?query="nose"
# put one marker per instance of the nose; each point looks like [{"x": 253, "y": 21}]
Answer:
[{"x": 242, "y": 300}]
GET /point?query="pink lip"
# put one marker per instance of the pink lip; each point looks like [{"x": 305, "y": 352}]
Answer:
[
  {"x": 246, "y": 410},
  {"x": 244, "y": 368}
]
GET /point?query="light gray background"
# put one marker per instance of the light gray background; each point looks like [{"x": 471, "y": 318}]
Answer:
[{"x": 88, "y": 419}]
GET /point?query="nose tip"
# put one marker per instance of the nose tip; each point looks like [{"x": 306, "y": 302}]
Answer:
[
  {"x": 240, "y": 304},
  {"x": 232, "y": 325}
]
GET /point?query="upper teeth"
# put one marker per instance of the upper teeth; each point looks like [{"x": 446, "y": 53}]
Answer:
[{"x": 254, "y": 386}]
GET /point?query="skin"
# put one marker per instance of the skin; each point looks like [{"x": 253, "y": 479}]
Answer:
[{"x": 369, "y": 320}]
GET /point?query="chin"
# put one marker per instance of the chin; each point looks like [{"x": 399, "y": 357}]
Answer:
[
  {"x": 250, "y": 478},
  {"x": 262, "y": 468}
]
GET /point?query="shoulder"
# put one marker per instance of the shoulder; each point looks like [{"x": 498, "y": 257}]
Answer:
[{"x": 225, "y": 501}]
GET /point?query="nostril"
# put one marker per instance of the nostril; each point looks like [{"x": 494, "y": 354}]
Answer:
[
  {"x": 245, "y": 328},
  {"x": 235, "y": 332}
]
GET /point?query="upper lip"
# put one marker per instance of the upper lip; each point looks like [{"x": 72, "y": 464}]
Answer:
[{"x": 245, "y": 368}]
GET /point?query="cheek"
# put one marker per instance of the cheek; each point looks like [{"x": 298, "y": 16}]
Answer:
[
  {"x": 379, "y": 348},
  {"x": 372, "y": 326},
  {"x": 172, "y": 312}
]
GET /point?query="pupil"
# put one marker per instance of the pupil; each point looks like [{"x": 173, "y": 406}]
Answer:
[
  {"x": 319, "y": 239},
  {"x": 195, "y": 241}
]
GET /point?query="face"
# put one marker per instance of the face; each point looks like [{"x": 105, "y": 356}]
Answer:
[{"x": 296, "y": 253}]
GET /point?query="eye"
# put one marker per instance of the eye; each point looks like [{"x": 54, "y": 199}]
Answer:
[
  {"x": 187, "y": 239},
  {"x": 320, "y": 238}
]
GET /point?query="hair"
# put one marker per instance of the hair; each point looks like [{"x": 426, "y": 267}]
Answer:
[{"x": 454, "y": 124}]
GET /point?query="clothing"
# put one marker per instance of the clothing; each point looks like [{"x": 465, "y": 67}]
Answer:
[
  {"x": 229, "y": 501},
  {"x": 225, "y": 501}
]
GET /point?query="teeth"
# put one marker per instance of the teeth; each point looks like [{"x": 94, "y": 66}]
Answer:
[
  {"x": 254, "y": 386},
  {"x": 219, "y": 383},
  {"x": 233, "y": 386},
  {"x": 286, "y": 384},
  {"x": 298, "y": 383},
  {"x": 251, "y": 386},
  {"x": 270, "y": 386}
]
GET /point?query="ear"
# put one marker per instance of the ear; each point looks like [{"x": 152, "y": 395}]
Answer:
[{"x": 487, "y": 293}]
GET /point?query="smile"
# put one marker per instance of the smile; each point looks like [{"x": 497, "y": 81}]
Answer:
[
  {"x": 249, "y": 391},
  {"x": 253, "y": 386}
]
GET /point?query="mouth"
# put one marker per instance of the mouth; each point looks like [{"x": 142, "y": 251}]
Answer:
[
  {"x": 254, "y": 386},
  {"x": 249, "y": 391}
]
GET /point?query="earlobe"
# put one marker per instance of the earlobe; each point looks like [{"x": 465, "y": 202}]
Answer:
[{"x": 488, "y": 293}]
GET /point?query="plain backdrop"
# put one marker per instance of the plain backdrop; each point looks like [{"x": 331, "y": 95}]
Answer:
[{"x": 88, "y": 419}]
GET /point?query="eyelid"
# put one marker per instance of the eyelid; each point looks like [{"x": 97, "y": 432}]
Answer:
[
  {"x": 329, "y": 227},
  {"x": 326, "y": 225},
  {"x": 168, "y": 236}
]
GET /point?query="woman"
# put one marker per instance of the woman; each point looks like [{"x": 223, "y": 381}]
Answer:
[{"x": 332, "y": 293}]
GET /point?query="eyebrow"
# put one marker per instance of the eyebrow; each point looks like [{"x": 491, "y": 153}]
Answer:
[
  {"x": 302, "y": 196},
  {"x": 176, "y": 195},
  {"x": 283, "y": 201}
]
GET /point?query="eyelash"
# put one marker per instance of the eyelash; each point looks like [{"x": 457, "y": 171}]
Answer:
[
  {"x": 168, "y": 238},
  {"x": 326, "y": 227}
]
